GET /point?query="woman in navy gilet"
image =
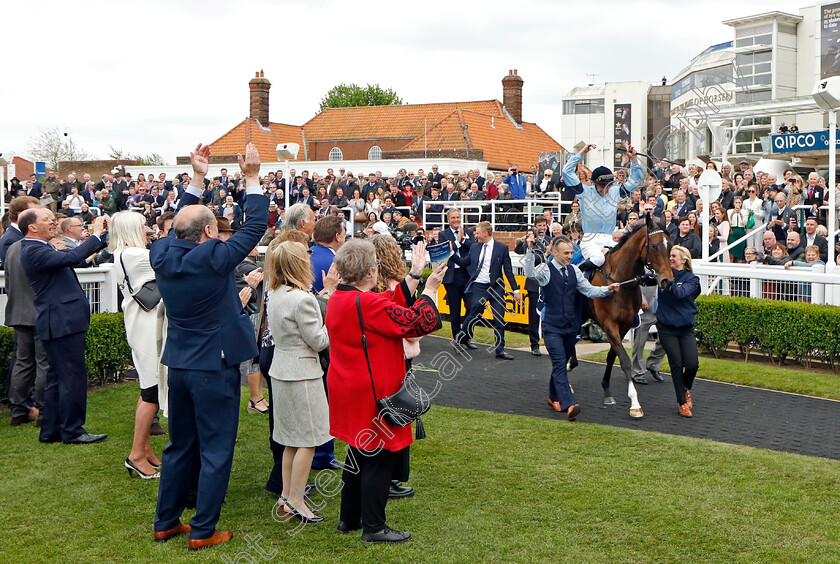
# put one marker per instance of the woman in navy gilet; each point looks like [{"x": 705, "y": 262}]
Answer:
[
  {"x": 560, "y": 282},
  {"x": 675, "y": 311}
]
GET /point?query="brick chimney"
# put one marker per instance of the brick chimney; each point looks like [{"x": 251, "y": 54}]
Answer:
[
  {"x": 512, "y": 94},
  {"x": 260, "y": 86}
]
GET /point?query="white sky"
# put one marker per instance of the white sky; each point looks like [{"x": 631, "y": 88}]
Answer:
[{"x": 162, "y": 75}]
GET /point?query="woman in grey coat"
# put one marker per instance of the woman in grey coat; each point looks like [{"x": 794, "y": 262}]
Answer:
[{"x": 301, "y": 414}]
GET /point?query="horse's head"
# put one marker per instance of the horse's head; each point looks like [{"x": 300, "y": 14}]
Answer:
[{"x": 655, "y": 252}]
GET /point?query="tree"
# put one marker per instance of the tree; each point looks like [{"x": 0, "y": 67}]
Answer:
[
  {"x": 52, "y": 146},
  {"x": 152, "y": 159},
  {"x": 346, "y": 95}
]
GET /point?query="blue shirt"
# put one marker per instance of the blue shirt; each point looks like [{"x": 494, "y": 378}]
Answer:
[{"x": 597, "y": 212}]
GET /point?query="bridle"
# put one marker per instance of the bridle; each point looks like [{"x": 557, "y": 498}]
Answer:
[{"x": 646, "y": 259}]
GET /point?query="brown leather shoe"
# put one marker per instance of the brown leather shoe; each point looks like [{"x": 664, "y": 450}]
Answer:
[
  {"x": 22, "y": 420},
  {"x": 574, "y": 411},
  {"x": 688, "y": 400},
  {"x": 179, "y": 529},
  {"x": 685, "y": 411},
  {"x": 218, "y": 538},
  {"x": 555, "y": 405}
]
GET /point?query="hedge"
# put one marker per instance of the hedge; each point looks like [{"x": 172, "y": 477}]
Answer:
[
  {"x": 803, "y": 331},
  {"x": 107, "y": 352}
]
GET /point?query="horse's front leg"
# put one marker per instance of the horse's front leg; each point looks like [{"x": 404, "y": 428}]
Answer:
[{"x": 614, "y": 335}]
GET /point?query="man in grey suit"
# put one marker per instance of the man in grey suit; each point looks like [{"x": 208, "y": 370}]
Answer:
[
  {"x": 31, "y": 363},
  {"x": 640, "y": 335}
]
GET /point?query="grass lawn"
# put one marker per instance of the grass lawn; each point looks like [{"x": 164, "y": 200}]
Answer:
[
  {"x": 491, "y": 487},
  {"x": 760, "y": 375}
]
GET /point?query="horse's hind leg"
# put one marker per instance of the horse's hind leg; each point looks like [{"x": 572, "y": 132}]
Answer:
[{"x": 605, "y": 383}]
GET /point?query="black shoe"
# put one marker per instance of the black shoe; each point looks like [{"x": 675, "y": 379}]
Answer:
[
  {"x": 466, "y": 343},
  {"x": 386, "y": 535},
  {"x": 640, "y": 379},
  {"x": 300, "y": 516},
  {"x": 572, "y": 365},
  {"x": 156, "y": 429},
  {"x": 46, "y": 440},
  {"x": 343, "y": 528},
  {"x": 536, "y": 351},
  {"x": 398, "y": 490},
  {"x": 86, "y": 439},
  {"x": 587, "y": 265},
  {"x": 504, "y": 356},
  {"x": 656, "y": 376}
]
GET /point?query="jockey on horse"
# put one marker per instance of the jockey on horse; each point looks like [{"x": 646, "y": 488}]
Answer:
[{"x": 599, "y": 204}]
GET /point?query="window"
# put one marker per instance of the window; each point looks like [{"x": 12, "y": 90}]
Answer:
[
  {"x": 592, "y": 106},
  {"x": 750, "y": 141},
  {"x": 374, "y": 154},
  {"x": 753, "y": 69},
  {"x": 335, "y": 154}
]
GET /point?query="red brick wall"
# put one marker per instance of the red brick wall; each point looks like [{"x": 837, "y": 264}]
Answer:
[{"x": 352, "y": 150}]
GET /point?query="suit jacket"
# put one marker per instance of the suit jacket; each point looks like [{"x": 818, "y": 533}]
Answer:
[
  {"x": 208, "y": 329},
  {"x": 299, "y": 333},
  {"x": 20, "y": 304},
  {"x": 435, "y": 178},
  {"x": 818, "y": 197},
  {"x": 499, "y": 264},
  {"x": 61, "y": 306},
  {"x": 11, "y": 236},
  {"x": 463, "y": 251},
  {"x": 35, "y": 191},
  {"x": 819, "y": 241},
  {"x": 687, "y": 207},
  {"x": 321, "y": 259}
]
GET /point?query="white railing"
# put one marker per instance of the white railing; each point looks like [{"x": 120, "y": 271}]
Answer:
[
  {"x": 503, "y": 215},
  {"x": 99, "y": 284},
  {"x": 816, "y": 284}
]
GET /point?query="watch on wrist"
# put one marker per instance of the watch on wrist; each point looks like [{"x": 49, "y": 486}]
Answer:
[{"x": 415, "y": 276}]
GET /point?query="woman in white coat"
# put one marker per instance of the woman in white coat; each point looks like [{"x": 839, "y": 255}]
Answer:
[
  {"x": 755, "y": 204},
  {"x": 299, "y": 404},
  {"x": 145, "y": 332}
]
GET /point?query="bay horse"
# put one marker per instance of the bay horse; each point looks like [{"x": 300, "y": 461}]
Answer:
[{"x": 646, "y": 244}]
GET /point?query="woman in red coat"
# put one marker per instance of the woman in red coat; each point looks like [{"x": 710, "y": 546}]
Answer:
[{"x": 373, "y": 443}]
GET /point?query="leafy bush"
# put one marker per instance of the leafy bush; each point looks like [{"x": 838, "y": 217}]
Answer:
[
  {"x": 107, "y": 352},
  {"x": 779, "y": 329}
]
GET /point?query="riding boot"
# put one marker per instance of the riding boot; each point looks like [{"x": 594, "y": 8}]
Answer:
[{"x": 587, "y": 265}]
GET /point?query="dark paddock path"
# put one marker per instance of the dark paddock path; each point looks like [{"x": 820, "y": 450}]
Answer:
[{"x": 722, "y": 412}]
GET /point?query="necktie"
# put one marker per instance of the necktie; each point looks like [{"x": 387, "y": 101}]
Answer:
[
  {"x": 811, "y": 193},
  {"x": 564, "y": 273},
  {"x": 481, "y": 260}
]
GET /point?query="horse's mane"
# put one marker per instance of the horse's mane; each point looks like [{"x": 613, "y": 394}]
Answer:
[{"x": 633, "y": 230}]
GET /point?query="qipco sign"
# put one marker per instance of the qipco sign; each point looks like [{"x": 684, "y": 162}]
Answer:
[{"x": 799, "y": 142}]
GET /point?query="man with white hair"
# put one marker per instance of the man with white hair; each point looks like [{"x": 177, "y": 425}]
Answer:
[
  {"x": 814, "y": 195},
  {"x": 300, "y": 216}
]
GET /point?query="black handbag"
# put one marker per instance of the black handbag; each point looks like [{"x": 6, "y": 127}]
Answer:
[
  {"x": 408, "y": 403},
  {"x": 148, "y": 296}
]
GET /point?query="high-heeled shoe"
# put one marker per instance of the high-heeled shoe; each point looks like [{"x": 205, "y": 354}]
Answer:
[
  {"x": 155, "y": 466},
  {"x": 303, "y": 518},
  {"x": 252, "y": 406},
  {"x": 132, "y": 468}
]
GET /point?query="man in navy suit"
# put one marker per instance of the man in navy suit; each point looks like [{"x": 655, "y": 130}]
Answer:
[
  {"x": 487, "y": 261},
  {"x": 62, "y": 315},
  {"x": 209, "y": 335},
  {"x": 456, "y": 278}
]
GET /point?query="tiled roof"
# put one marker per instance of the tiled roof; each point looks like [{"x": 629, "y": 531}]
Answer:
[
  {"x": 265, "y": 138},
  {"x": 387, "y": 122},
  {"x": 502, "y": 142}
]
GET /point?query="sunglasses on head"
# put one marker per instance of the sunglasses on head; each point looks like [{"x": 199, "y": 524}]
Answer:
[{"x": 604, "y": 179}]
